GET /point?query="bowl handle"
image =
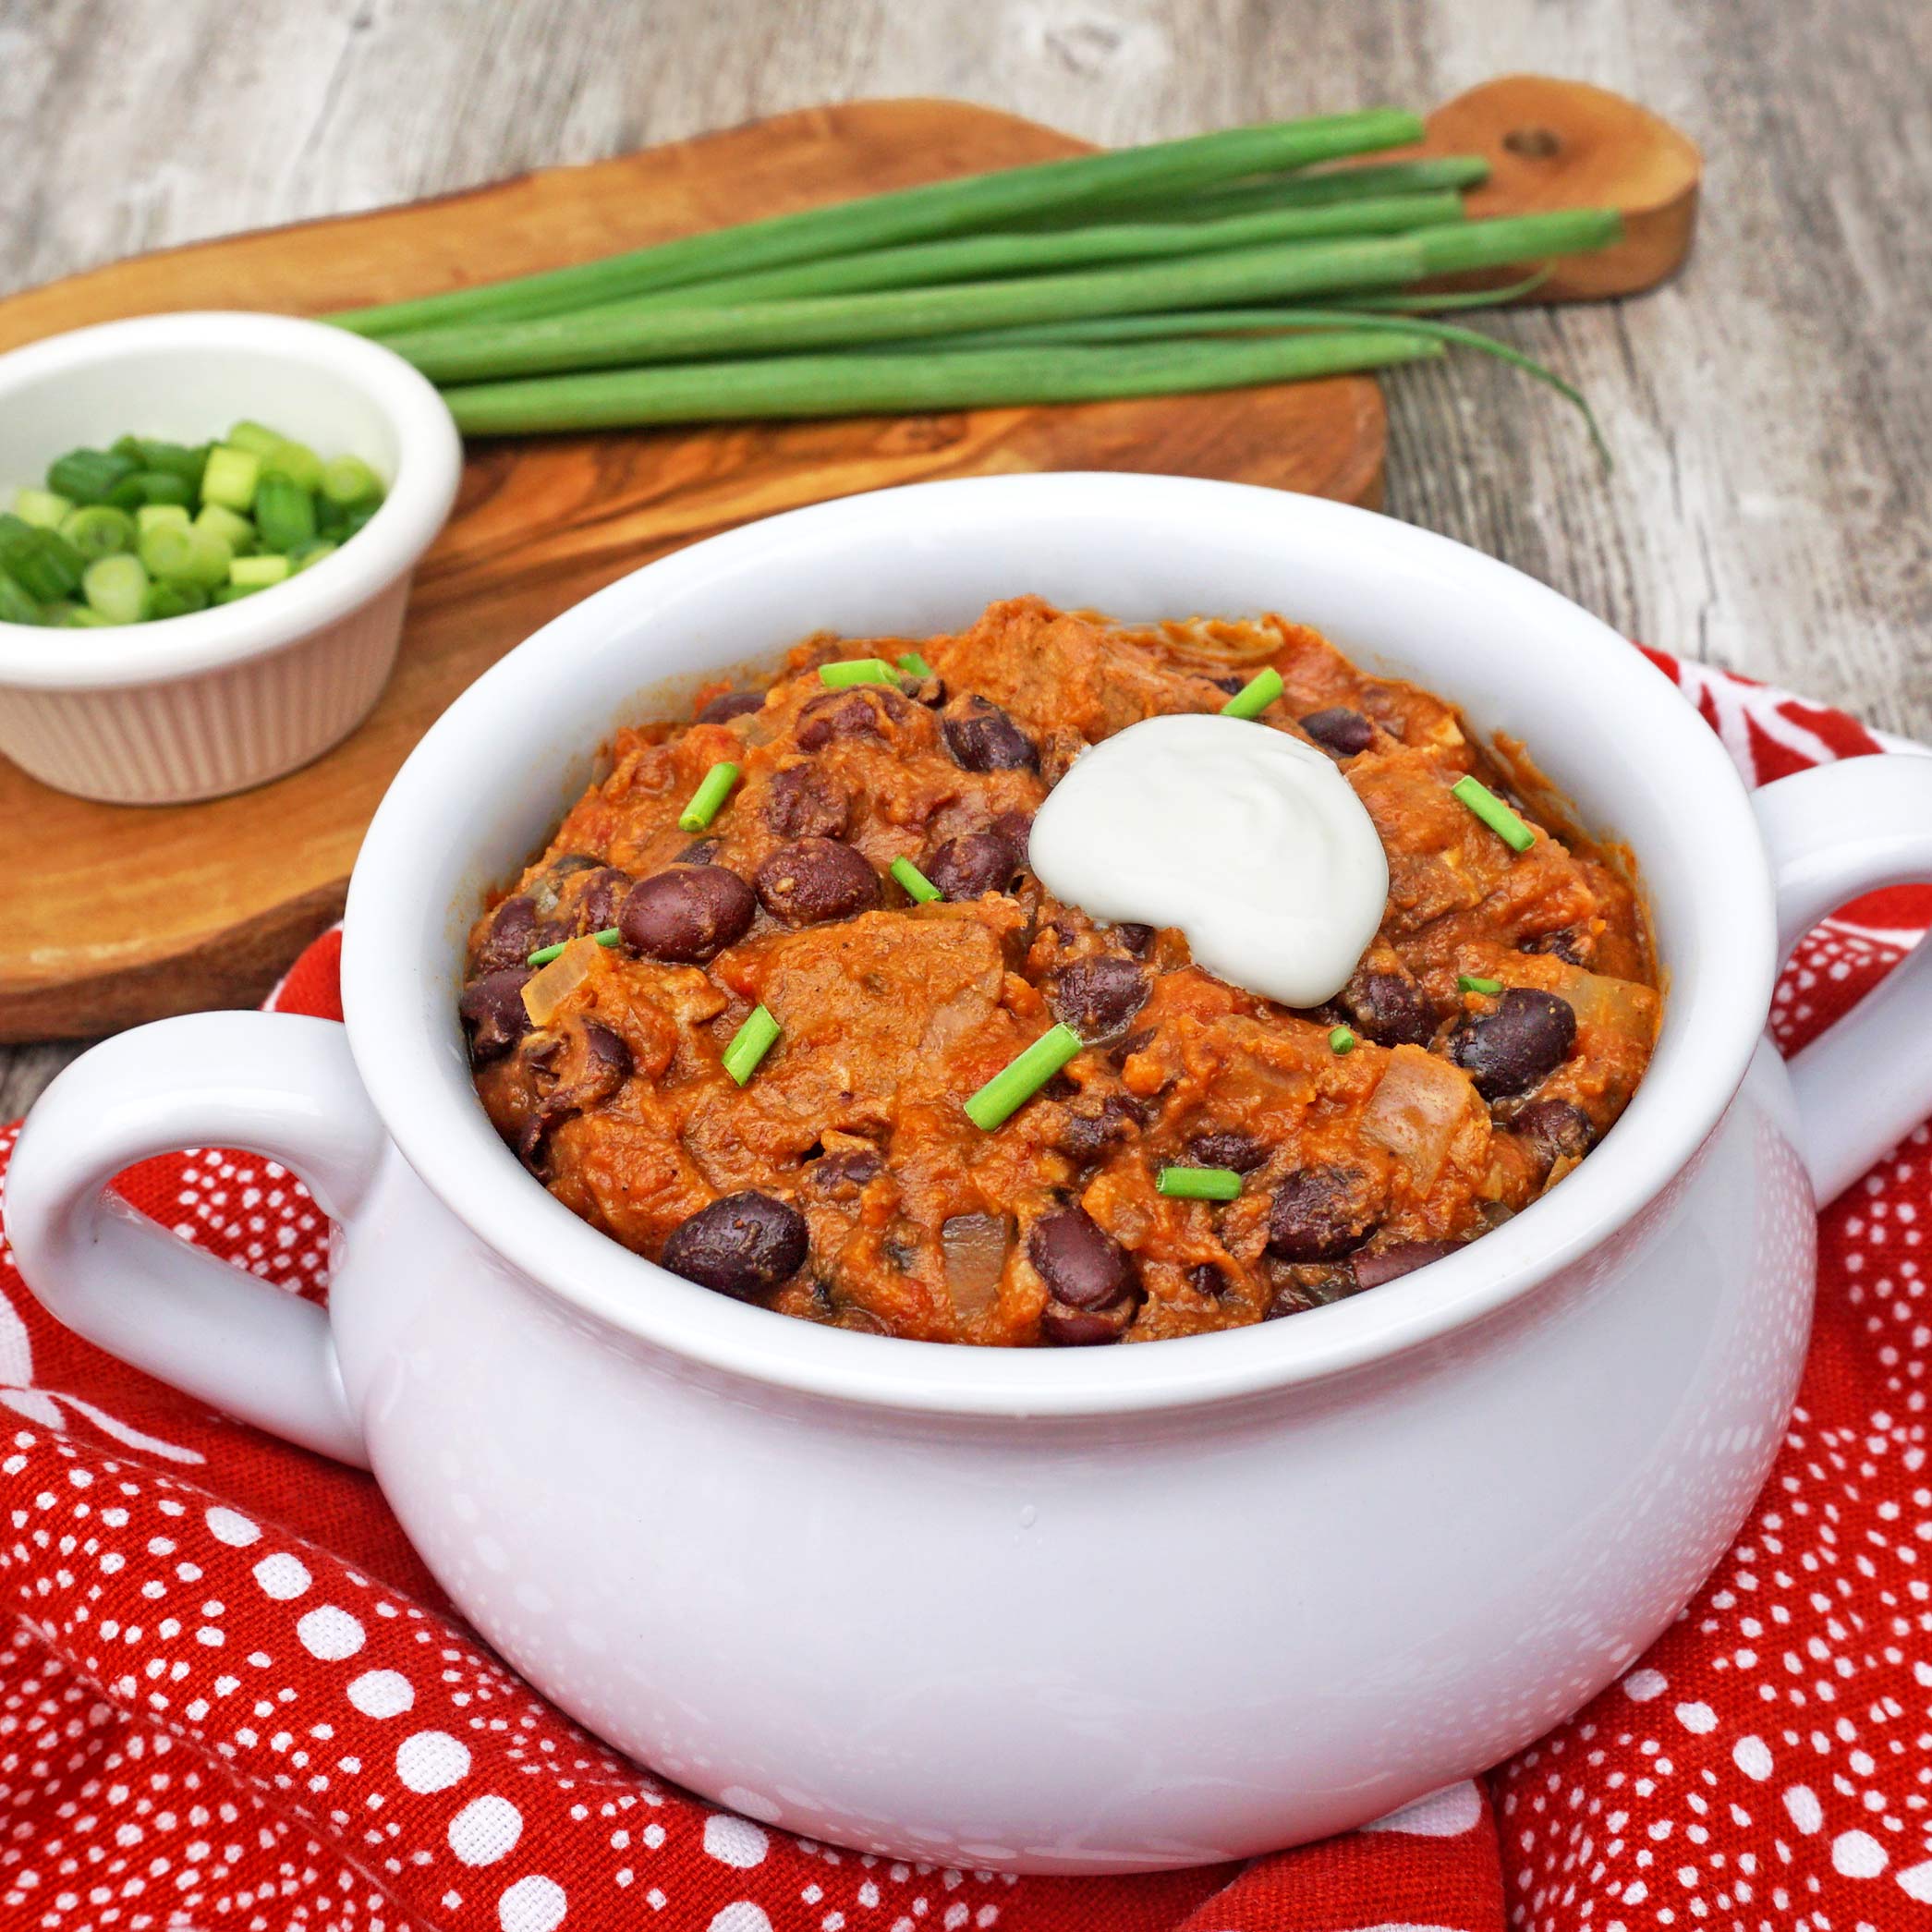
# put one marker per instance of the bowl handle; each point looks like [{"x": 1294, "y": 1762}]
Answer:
[
  {"x": 275, "y": 1084},
  {"x": 1832, "y": 834}
]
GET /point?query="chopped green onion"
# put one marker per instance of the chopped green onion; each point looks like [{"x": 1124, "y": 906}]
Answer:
[
  {"x": 99, "y": 530},
  {"x": 348, "y": 480},
  {"x": 176, "y": 458},
  {"x": 173, "y": 599},
  {"x": 285, "y": 512},
  {"x": 153, "y": 486},
  {"x": 1470, "y": 983},
  {"x": 1494, "y": 813},
  {"x": 116, "y": 587},
  {"x": 1255, "y": 695},
  {"x": 1199, "y": 1184},
  {"x": 42, "y": 508},
  {"x": 858, "y": 670},
  {"x": 231, "y": 476},
  {"x": 236, "y": 532},
  {"x": 15, "y": 605},
  {"x": 914, "y": 882},
  {"x": 750, "y": 1044},
  {"x": 712, "y": 791},
  {"x": 544, "y": 955},
  {"x": 257, "y": 437},
  {"x": 80, "y": 616},
  {"x": 311, "y": 553},
  {"x": 1023, "y": 1076},
  {"x": 189, "y": 556},
  {"x": 257, "y": 573},
  {"x": 296, "y": 461},
  {"x": 46, "y": 564},
  {"x": 1341, "y": 1040},
  {"x": 85, "y": 476},
  {"x": 155, "y": 516},
  {"x": 914, "y": 665},
  {"x": 233, "y": 593}
]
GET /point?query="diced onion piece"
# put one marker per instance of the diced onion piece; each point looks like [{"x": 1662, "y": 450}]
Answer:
[
  {"x": 975, "y": 1247},
  {"x": 1619, "y": 1007},
  {"x": 1416, "y": 1111},
  {"x": 545, "y": 992}
]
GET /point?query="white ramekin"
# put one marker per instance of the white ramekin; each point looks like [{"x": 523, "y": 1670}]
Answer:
[{"x": 193, "y": 707}]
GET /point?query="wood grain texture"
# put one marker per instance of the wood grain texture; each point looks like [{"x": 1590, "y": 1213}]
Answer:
[{"x": 1769, "y": 408}]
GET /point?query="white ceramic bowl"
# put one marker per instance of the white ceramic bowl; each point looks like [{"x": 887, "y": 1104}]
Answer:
[
  {"x": 230, "y": 696},
  {"x": 1053, "y": 1610}
]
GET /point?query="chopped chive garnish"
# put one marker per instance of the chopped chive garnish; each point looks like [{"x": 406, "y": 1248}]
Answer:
[
  {"x": 750, "y": 1044},
  {"x": 914, "y": 881},
  {"x": 544, "y": 955},
  {"x": 914, "y": 665},
  {"x": 1469, "y": 983},
  {"x": 858, "y": 670},
  {"x": 1199, "y": 1184},
  {"x": 1494, "y": 813},
  {"x": 1022, "y": 1077},
  {"x": 711, "y": 792},
  {"x": 1342, "y": 1040},
  {"x": 1255, "y": 695}
]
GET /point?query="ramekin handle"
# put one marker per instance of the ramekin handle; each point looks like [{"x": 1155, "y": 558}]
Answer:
[
  {"x": 1833, "y": 834},
  {"x": 274, "y": 1084}
]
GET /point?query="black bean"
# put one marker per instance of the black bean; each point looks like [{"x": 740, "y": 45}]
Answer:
[
  {"x": 1388, "y": 1264},
  {"x": 982, "y": 737},
  {"x": 1339, "y": 730},
  {"x": 578, "y": 1067},
  {"x": 1206, "y": 1277},
  {"x": 743, "y": 1244},
  {"x": 929, "y": 691},
  {"x": 686, "y": 913},
  {"x": 1321, "y": 1215},
  {"x": 1233, "y": 682},
  {"x": 513, "y": 935},
  {"x": 1135, "y": 937},
  {"x": 974, "y": 863},
  {"x": 1510, "y": 1049},
  {"x": 1567, "y": 944},
  {"x": 728, "y": 705},
  {"x": 1085, "y": 1328},
  {"x": 1090, "y": 1128},
  {"x": 1098, "y": 995},
  {"x": 1553, "y": 1128},
  {"x": 860, "y": 712},
  {"x": 849, "y": 1168},
  {"x": 699, "y": 852},
  {"x": 1227, "y": 1146},
  {"x": 598, "y": 904},
  {"x": 802, "y": 802},
  {"x": 812, "y": 880},
  {"x": 1081, "y": 1265},
  {"x": 1389, "y": 1007},
  {"x": 1015, "y": 828},
  {"x": 493, "y": 1006}
]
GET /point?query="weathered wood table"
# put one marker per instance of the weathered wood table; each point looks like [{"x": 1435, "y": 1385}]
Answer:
[{"x": 1771, "y": 411}]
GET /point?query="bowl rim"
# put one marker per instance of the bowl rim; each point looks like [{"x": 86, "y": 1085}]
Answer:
[
  {"x": 1700, "y": 1065},
  {"x": 429, "y": 467}
]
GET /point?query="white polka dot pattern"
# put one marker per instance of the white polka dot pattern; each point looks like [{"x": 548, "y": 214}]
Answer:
[{"x": 210, "y": 1718}]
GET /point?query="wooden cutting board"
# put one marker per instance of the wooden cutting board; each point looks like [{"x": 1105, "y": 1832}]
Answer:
[{"x": 114, "y": 915}]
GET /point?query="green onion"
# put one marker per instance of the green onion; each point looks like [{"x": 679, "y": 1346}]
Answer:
[
  {"x": 610, "y": 936},
  {"x": 15, "y": 605},
  {"x": 1302, "y": 191},
  {"x": 1255, "y": 695},
  {"x": 175, "y": 458},
  {"x": 296, "y": 461},
  {"x": 85, "y": 476},
  {"x": 1023, "y": 1076},
  {"x": 46, "y": 565},
  {"x": 939, "y": 378},
  {"x": 1199, "y": 1184},
  {"x": 231, "y": 476},
  {"x": 1494, "y": 813},
  {"x": 1341, "y": 1040},
  {"x": 636, "y": 333},
  {"x": 116, "y": 587},
  {"x": 285, "y": 512},
  {"x": 750, "y": 1044},
  {"x": 99, "y": 530},
  {"x": 173, "y": 599},
  {"x": 311, "y": 553},
  {"x": 257, "y": 573},
  {"x": 1469, "y": 983},
  {"x": 236, "y": 532},
  {"x": 915, "y": 882},
  {"x": 858, "y": 670},
  {"x": 155, "y": 516},
  {"x": 42, "y": 508},
  {"x": 348, "y": 480},
  {"x": 151, "y": 486},
  {"x": 257, "y": 437},
  {"x": 938, "y": 208},
  {"x": 914, "y": 665},
  {"x": 712, "y": 791},
  {"x": 84, "y": 618},
  {"x": 189, "y": 556}
]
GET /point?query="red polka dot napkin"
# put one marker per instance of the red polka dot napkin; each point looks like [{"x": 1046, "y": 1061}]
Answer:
[{"x": 231, "y": 1696}]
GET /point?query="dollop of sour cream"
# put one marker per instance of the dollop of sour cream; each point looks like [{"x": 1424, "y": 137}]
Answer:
[{"x": 1249, "y": 841}]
